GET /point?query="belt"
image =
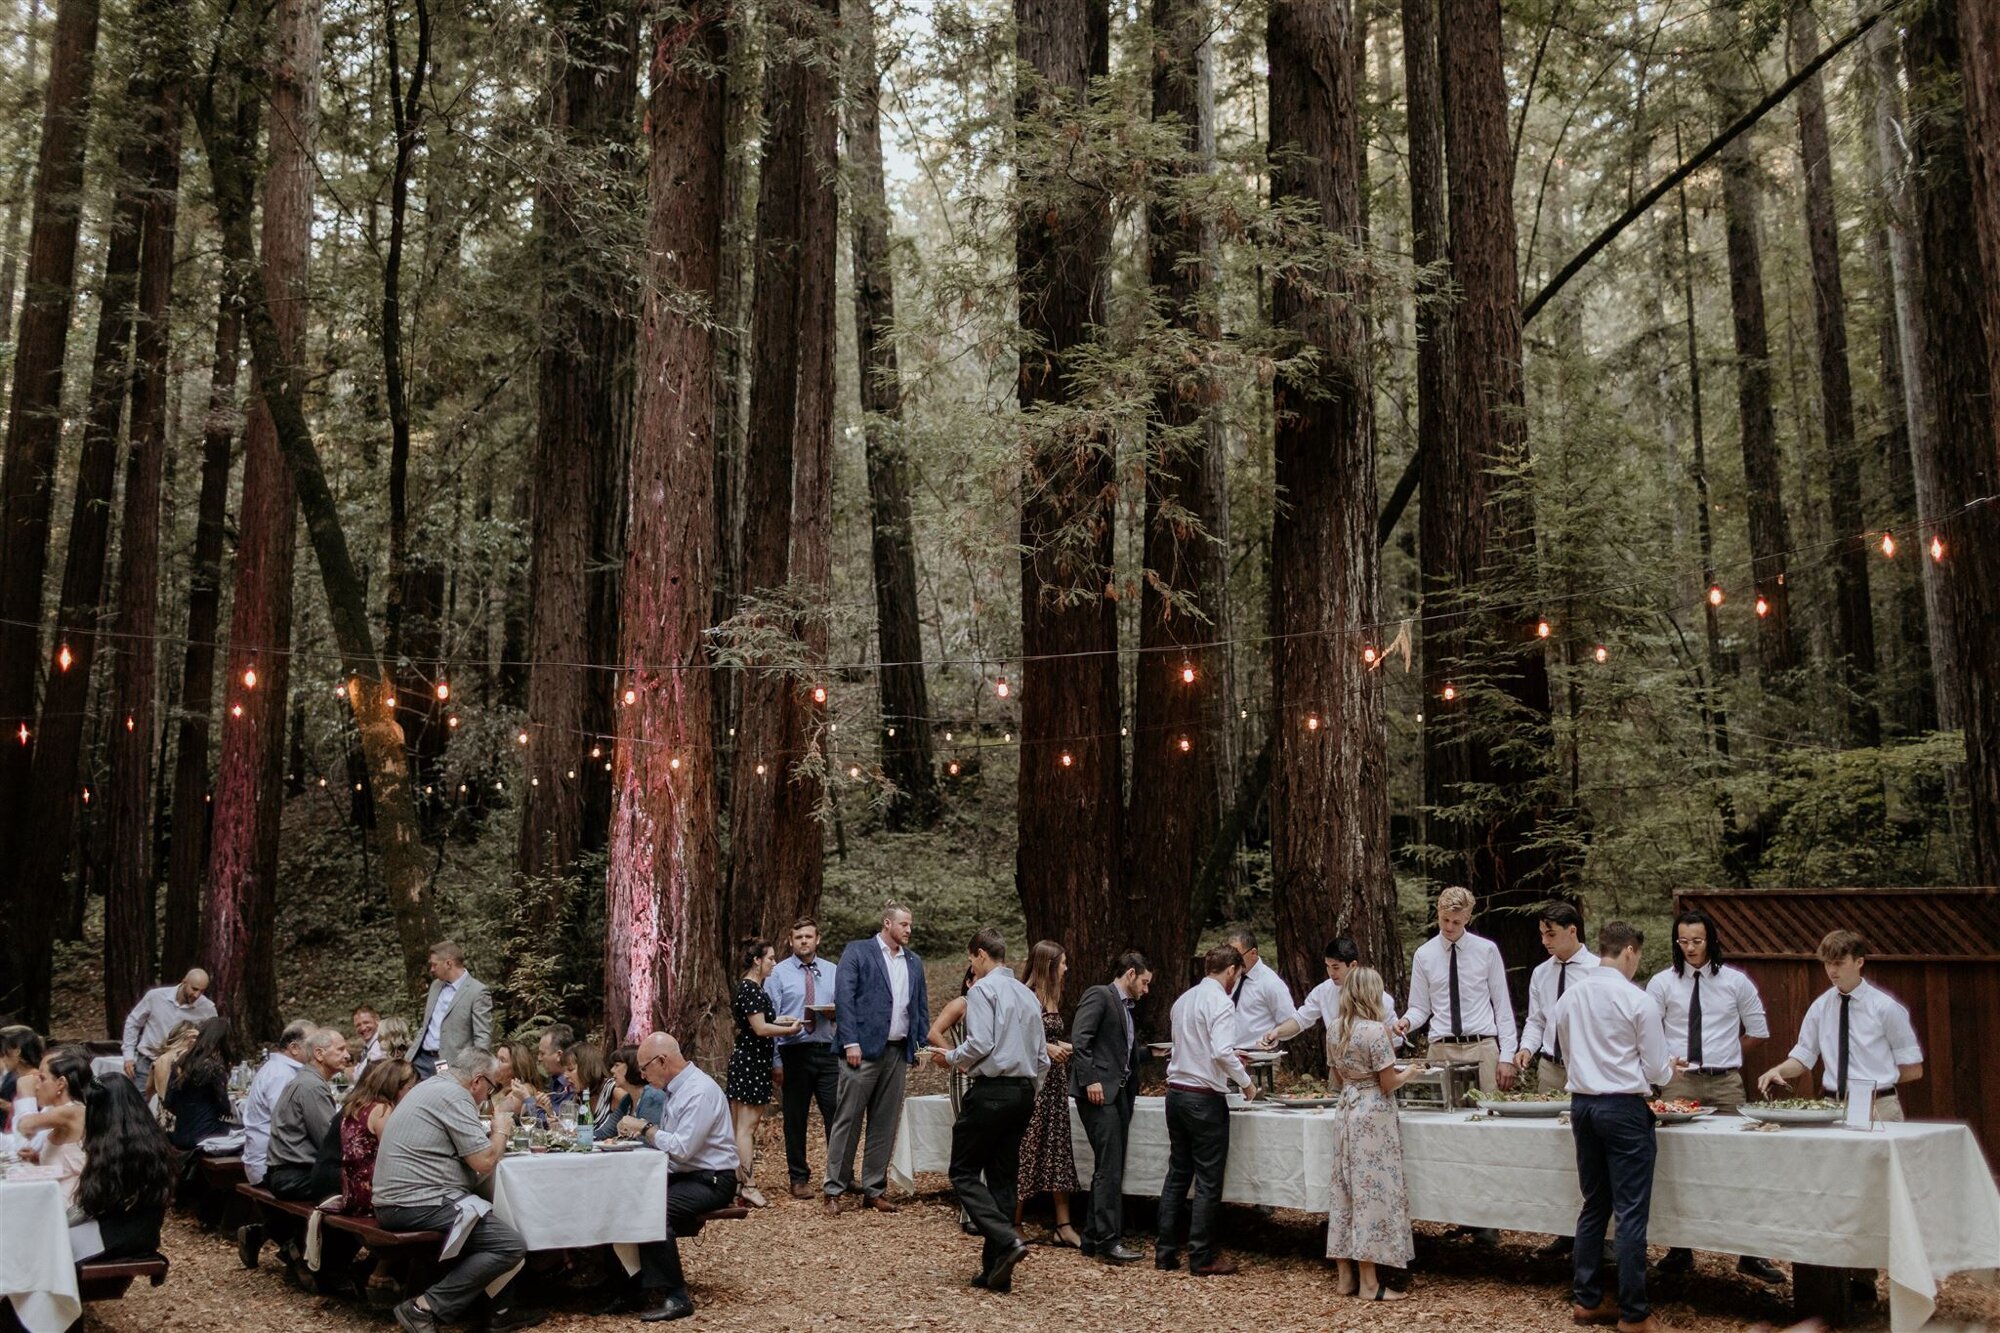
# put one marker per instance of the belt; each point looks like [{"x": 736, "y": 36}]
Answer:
[
  {"x": 712, "y": 1177},
  {"x": 1552, "y": 1059},
  {"x": 1467, "y": 1041},
  {"x": 1880, "y": 1093},
  {"x": 1008, "y": 1080},
  {"x": 1192, "y": 1090},
  {"x": 1715, "y": 1071},
  {"x": 431, "y": 1051}
]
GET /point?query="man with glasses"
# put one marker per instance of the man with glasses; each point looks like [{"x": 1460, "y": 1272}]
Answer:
[
  {"x": 432, "y": 1155},
  {"x": 696, "y": 1134}
]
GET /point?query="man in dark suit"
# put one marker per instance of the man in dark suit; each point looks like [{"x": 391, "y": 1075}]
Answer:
[
  {"x": 1103, "y": 1077},
  {"x": 884, "y": 1011}
]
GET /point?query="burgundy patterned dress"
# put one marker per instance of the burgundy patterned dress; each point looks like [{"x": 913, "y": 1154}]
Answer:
[
  {"x": 357, "y": 1163},
  {"x": 1048, "y": 1161}
]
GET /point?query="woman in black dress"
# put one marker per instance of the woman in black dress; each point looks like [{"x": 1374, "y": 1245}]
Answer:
[
  {"x": 198, "y": 1088},
  {"x": 1048, "y": 1162},
  {"x": 749, "y": 1078}
]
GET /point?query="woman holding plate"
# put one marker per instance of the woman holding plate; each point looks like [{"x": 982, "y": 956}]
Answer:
[{"x": 1367, "y": 1204}]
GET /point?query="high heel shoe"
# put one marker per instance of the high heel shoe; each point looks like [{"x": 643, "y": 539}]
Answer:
[
  {"x": 753, "y": 1196},
  {"x": 1068, "y": 1235}
]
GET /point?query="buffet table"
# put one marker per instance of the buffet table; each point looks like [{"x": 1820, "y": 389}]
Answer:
[
  {"x": 37, "y": 1271},
  {"x": 1915, "y": 1199}
]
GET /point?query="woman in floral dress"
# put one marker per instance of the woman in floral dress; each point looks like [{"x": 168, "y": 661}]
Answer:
[
  {"x": 1367, "y": 1205},
  {"x": 1048, "y": 1161}
]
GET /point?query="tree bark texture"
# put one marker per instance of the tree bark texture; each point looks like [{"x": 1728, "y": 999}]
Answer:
[
  {"x": 1329, "y": 783},
  {"x": 1498, "y": 725},
  {"x": 130, "y": 885},
  {"x": 662, "y": 897},
  {"x": 588, "y": 337},
  {"x": 17, "y": 193},
  {"x": 775, "y": 857},
  {"x": 1181, "y": 726},
  {"x": 1972, "y": 538},
  {"x": 1071, "y": 767},
  {"x": 1757, "y": 428},
  {"x": 1853, "y": 616},
  {"x": 905, "y": 706},
  {"x": 741, "y": 111},
  {"x": 34, "y": 430}
]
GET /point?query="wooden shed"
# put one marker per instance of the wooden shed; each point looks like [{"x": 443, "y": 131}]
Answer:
[{"x": 1936, "y": 950}]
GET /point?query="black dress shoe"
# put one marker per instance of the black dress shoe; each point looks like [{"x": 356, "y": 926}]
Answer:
[
  {"x": 1167, "y": 1261},
  {"x": 413, "y": 1318},
  {"x": 1558, "y": 1248},
  {"x": 978, "y": 1280},
  {"x": 624, "y": 1299},
  {"x": 1120, "y": 1253},
  {"x": 1677, "y": 1261},
  {"x": 1761, "y": 1269},
  {"x": 1000, "y": 1273},
  {"x": 512, "y": 1319},
  {"x": 249, "y": 1244},
  {"x": 676, "y": 1306}
]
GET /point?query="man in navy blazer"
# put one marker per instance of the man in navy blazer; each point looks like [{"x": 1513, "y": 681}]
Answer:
[{"x": 884, "y": 1012}]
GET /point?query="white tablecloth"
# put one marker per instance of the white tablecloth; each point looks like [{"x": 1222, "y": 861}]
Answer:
[
  {"x": 1915, "y": 1199},
  {"x": 560, "y": 1201},
  {"x": 102, "y": 1066},
  {"x": 36, "y": 1271}
]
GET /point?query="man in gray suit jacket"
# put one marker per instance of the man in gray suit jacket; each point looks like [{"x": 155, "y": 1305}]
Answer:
[
  {"x": 457, "y": 1014},
  {"x": 1103, "y": 1077}
]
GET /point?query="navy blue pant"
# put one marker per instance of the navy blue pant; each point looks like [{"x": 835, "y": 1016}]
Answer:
[{"x": 1614, "y": 1164}]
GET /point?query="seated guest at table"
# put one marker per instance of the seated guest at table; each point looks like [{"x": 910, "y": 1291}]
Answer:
[
  {"x": 882, "y": 1005},
  {"x": 1616, "y": 1050},
  {"x": 20, "y": 1054},
  {"x": 367, "y": 1024},
  {"x": 1368, "y": 1203},
  {"x": 695, "y": 1134},
  {"x": 1321, "y": 1006},
  {"x": 750, "y": 1060},
  {"x": 1199, "y": 1073},
  {"x": 1458, "y": 985},
  {"x": 121, "y": 1195},
  {"x": 522, "y": 1070},
  {"x": 178, "y": 1043},
  {"x": 392, "y": 1038},
  {"x": 808, "y": 1071},
  {"x": 197, "y": 1092},
  {"x": 1856, "y": 1030},
  {"x": 155, "y": 1015},
  {"x": 1261, "y": 997},
  {"x": 58, "y": 1088},
  {"x": 272, "y": 1078},
  {"x": 302, "y": 1120},
  {"x": 1048, "y": 1158},
  {"x": 1005, "y": 1058},
  {"x": 432, "y": 1154},
  {"x": 1713, "y": 1015},
  {"x": 627, "y": 1093},
  {"x": 1103, "y": 1076},
  {"x": 552, "y": 1058},
  {"x": 583, "y": 1066},
  {"x": 362, "y": 1116},
  {"x": 458, "y": 1011}
]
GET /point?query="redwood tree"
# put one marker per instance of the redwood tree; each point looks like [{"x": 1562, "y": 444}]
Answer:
[
  {"x": 662, "y": 903},
  {"x": 1067, "y": 813},
  {"x": 34, "y": 430},
  {"x": 905, "y": 706},
  {"x": 1329, "y": 784}
]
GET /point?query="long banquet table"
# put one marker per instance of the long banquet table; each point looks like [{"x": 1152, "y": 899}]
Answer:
[{"x": 1915, "y": 1199}]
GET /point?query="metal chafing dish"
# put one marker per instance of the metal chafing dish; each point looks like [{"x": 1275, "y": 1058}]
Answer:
[{"x": 1442, "y": 1087}]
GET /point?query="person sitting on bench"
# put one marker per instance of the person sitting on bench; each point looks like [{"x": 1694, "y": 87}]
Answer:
[{"x": 301, "y": 1121}]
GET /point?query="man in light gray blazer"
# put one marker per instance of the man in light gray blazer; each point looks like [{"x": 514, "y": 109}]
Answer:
[{"x": 458, "y": 1012}]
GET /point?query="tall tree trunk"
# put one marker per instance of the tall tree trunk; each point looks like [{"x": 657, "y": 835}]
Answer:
[
  {"x": 1973, "y": 539},
  {"x": 775, "y": 869},
  {"x": 1329, "y": 782},
  {"x": 17, "y": 192},
  {"x": 1181, "y": 725},
  {"x": 741, "y": 105},
  {"x": 1711, "y": 620},
  {"x": 180, "y": 944},
  {"x": 588, "y": 333},
  {"x": 662, "y": 903},
  {"x": 47, "y": 818},
  {"x": 1071, "y": 765},
  {"x": 34, "y": 430},
  {"x": 1757, "y": 429},
  {"x": 1853, "y": 617},
  {"x": 240, "y": 912},
  {"x": 906, "y": 727},
  {"x": 1502, "y": 716},
  {"x": 129, "y": 891}
]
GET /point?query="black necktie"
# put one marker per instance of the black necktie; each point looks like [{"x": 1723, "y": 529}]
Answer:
[
  {"x": 1694, "y": 1023},
  {"x": 1841, "y": 1089},
  {"x": 1236, "y": 996},
  {"x": 1562, "y": 980},
  {"x": 1457, "y": 1022}
]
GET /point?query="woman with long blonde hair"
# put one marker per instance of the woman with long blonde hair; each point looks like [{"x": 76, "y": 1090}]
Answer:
[
  {"x": 1048, "y": 1161},
  {"x": 1368, "y": 1202}
]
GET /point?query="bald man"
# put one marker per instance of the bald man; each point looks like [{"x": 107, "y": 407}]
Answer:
[
  {"x": 695, "y": 1133},
  {"x": 155, "y": 1015}
]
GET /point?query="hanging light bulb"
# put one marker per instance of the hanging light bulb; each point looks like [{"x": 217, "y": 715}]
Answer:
[
  {"x": 854, "y": 770},
  {"x": 1124, "y": 731},
  {"x": 390, "y": 702},
  {"x": 451, "y": 721},
  {"x": 1000, "y": 687},
  {"x": 1368, "y": 655},
  {"x": 498, "y": 785},
  {"x": 429, "y": 790},
  {"x": 461, "y": 788},
  {"x": 1067, "y": 760},
  {"x": 1602, "y": 653},
  {"x": 131, "y": 724},
  {"x": 892, "y": 733},
  {"x": 760, "y": 770},
  {"x": 675, "y": 763},
  {"x": 570, "y": 773},
  {"x": 86, "y": 796},
  {"x": 1187, "y": 673},
  {"x": 631, "y": 696},
  {"x": 235, "y": 710},
  {"x": 1542, "y": 629},
  {"x": 444, "y": 690},
  {"x": 521, "y": 736},
  {"x": 322, "y": 783},
  {"x": 952, "y": 768},
  {"x": 1763, "y": 607},
  {"x": 1450, "y": 693},
  {"x": 64, "y": 657},
  {"x": 1889, "y": 544},
  {"x": 250, "y": 678},
  {"x": 1186, "y": 745},
  {"x": 1937, "y": 548},
  {"x": 340, "y": 691},
  {"x": 947, "y": 735},
  {"x": 1715, "y": 594},
  {"x": 1312, "y": 721},
  {"x": 534, "y": 782},
  {"x": 357, "y": 786},
  {"x": 607, "y": 766},
  {"x": 1243, "y": 714},
  {"x": 1006, "y": 738},
  {"x": 1420, "y": 717},
  {"x": 597, "y": 752},
  {"x": 819, "y": 694}
]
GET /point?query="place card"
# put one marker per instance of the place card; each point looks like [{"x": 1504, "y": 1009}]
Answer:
[{"x": 1860, "y": 1104}]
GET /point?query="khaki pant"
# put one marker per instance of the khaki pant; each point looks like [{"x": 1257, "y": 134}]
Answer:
[
  {"x": 1550, "y": 1075},
  {"x": 1889, "y": 1109},
  {"x": 1486, "y": 1051},
  {"x": 1723, "y": 1091}
]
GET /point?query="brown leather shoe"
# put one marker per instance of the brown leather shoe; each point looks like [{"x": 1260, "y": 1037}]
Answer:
[
  {"x": 801, "y": 1190},
  {"x": 1606, "y": 1313},
  {"x": 833, "y": 1205},
  {"x": 1217, "y": 1267},
  {"x": 881, "y": 1204},
  {"x": 1652, "y": 1323}
]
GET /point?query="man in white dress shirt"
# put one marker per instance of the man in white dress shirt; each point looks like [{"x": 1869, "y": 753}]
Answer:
[
  {"x": 1200, "y": 1071},
  {"x": 1342, "y": 956},
  {"x": 1616, "y": 1049},
  {"x": 696, "y": 1135},
  {"x": 271, "y": 1080},
  {"x": 1562, "y": 935},
  {"x": 1855, "y": 1031},
  {"x": 1458, "y": 985},
  {"x": 156, "y": 1014},
  {"x": 1713, "y": 1015},
  {"x": 1261, "y": 997}
]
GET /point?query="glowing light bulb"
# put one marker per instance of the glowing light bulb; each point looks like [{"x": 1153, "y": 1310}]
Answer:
[
  {"x": 250, "y": 678},
  {"x": 235, "y": 710},
  {"x": 854, "y": 770},
  {"x": 357, "y": 786},
  {"x": 1312, "y": 722},
  {"x": 607, "y": 766},
  {"x": 597, "y": 752},
  {"x": 892, "y": 733},
  {"x": 631, "y": 697},
  {"x": 675, "y": 763},
  {"x": 1124, "y": 731},
  {"x": 1368, "y": 655},
  {"x": 451, "y": 721},
  {"x": 444, "y": 690},
  {"x": 1763, "y": 607},
  {"x": 1542, "y": 629},
  {"x": 131, "y": 724},
  {"x": 521, "y": 736},
  {"x": 534, "y": 782},
  {"x": 1006, "y": 738},
  {"x": 1937, "y": 549},
  {"x": 1067, "y": 760},
  {"x": 947, "y": 735},
  {"x": 64, "y": 657},
  {"x": 760, "y": 770},
  {"x": 1889, "y": 545},
  {"x": 390, "y": 702},
  {"x": 1602, "y": 653},
  {"x": 1000, "y": 687},
  {"x": 570, "y": 773},
  {"x": 340, "y": 691},
  {"x": 322, "y": 783},
  {"x": 1186, "y": 745},
  {"x": 1450, "y": 693},
  {"x": 819, "y": 694},
  {"x": 1243, "y": 713},
  {"x": 1187, "y": 675},
  {"x": 1715, "y": 594},
  {"x": 86, "y": 796},
  {"x": 952, "y": 768}
]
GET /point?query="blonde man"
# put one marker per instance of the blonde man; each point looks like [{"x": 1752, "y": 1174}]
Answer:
[{"x": 1458, "y": 985}]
